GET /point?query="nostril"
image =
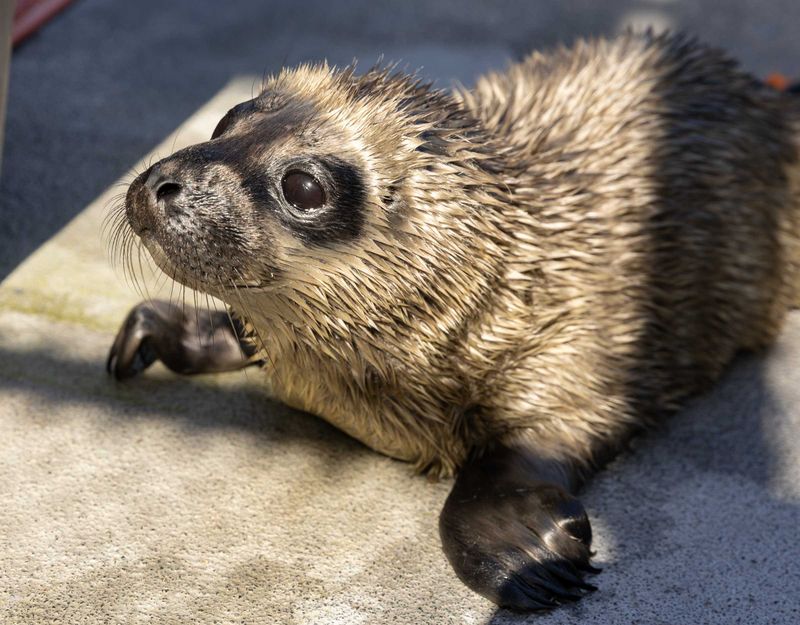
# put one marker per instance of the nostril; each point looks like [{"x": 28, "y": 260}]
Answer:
[{"x": 167, "y": 190}]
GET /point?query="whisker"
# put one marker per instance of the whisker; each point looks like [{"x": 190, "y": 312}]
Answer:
[
  {"x": 248, "y": 315},
  {"x": 172, "y": 290},
  {"x": 140, "y": 248},
  {"x": 175, "y": 140}
]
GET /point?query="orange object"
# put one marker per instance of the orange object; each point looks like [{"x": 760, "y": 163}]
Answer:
[
  {"x": 778, "y": 81},
  {"x": 30, "y": 15}
]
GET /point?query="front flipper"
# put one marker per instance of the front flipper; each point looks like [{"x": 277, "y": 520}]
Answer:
[
  {"x": 186, "y": 340},
  {"x": 514, "y": 534}
]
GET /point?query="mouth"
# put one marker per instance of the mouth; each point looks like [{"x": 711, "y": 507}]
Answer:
[
  {"x": 190, "y": 278},
  {"x": 163, "y": 262}
]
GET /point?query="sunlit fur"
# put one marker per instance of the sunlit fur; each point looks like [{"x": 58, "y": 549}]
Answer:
[{"x": 557, "y": 257}]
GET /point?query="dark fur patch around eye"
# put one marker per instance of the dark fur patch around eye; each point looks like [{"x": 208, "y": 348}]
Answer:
[
  {"x": 339, "y": 221},
  {"x": 259, "y": 188},
  {"x": 344, "y": 218}
]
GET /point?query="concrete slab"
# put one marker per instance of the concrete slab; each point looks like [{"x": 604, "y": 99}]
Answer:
[{"x": 173, "y": 500}]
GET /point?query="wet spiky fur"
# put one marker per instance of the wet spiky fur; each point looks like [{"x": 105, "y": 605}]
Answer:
[{"x": 557, "y": 256}]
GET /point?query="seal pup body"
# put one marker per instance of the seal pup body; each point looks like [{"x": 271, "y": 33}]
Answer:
[{"x": 502, "y": 284}]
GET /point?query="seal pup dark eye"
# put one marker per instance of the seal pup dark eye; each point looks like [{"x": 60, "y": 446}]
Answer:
[{"x": 302, "y": 190}]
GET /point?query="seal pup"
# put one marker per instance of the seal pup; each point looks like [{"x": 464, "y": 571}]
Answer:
[{"x": 501, "y": 284}]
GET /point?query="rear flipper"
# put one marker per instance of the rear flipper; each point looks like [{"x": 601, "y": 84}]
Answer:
[{"x": 186, "y": 340}]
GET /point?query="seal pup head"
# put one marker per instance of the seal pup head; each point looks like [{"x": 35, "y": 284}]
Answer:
[{"x": 302, "y": 181}]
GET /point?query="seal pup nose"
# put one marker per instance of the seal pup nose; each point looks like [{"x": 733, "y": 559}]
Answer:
[
  {"x": 152, "y": 196},
  {"x": 167, "y": 190},
  {"x": 164, "y": 190}
]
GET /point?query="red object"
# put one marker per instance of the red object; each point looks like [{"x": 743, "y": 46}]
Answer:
[{"x": 29, "y": 16}]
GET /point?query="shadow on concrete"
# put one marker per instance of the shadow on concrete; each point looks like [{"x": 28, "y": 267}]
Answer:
[
  {"x": 196, "y": 404},
  {"x": 689, "y": 519}
]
